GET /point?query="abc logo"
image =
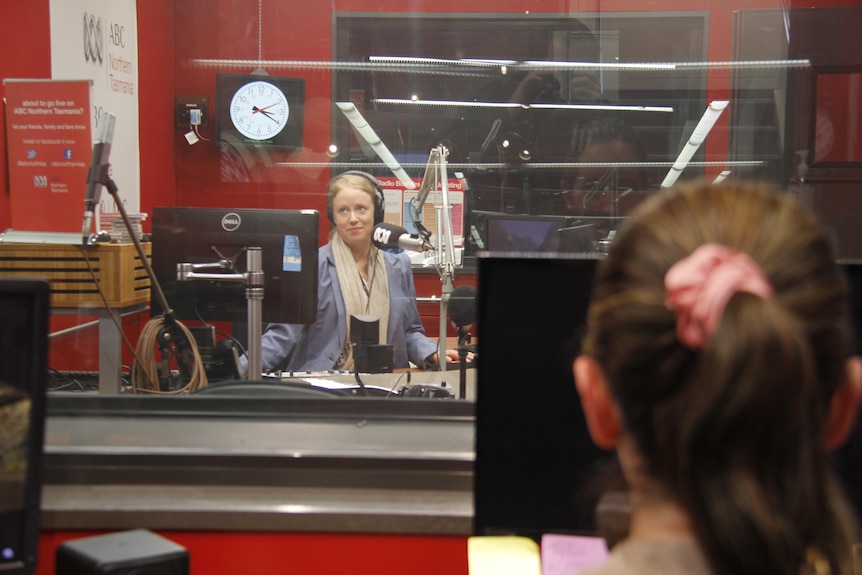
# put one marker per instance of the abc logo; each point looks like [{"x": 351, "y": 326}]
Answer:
[{"x": 381, "y": 235}]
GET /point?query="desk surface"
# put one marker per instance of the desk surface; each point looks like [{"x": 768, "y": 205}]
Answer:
[{"x": 351, "y": 465}]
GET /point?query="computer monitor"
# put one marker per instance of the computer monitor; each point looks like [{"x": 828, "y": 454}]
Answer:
[
  {"x": 523, "y": 233},
  {"x": 288, "y": 240},
  {"x": 848, "y": 458},
  {"x": 24, "y": 307},
  {"x": 536, "y": 467},
  {"x": 537, "y": 470}
]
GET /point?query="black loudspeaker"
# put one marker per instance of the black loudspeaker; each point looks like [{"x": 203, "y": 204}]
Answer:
[
  {"x": 369, "y": 356},
  {"x": 138, "y": 552},
  {"x": 379, "y": 200},
  {"x": 373, "y": 358}
]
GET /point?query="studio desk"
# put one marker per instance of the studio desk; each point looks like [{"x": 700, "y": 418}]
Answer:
[
  {"x": 391, "y": 475},
  {"x": 264, "y": 460},
  {"x": 242, "y": 481}
]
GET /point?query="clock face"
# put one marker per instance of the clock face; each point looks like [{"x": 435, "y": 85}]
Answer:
[{"x": 259, "y": 110}]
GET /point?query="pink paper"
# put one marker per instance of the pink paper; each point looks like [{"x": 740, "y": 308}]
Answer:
[{"x": 567, "y": 554}]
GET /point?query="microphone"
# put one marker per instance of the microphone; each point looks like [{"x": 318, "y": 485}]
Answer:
[
  {"x": 462, "y": 306},
  {"x": 98, "y": 165},
  {"x": 386, "y": 235}
]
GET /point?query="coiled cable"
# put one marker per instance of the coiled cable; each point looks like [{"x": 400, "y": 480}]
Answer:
[{"x": 145, "y": 374}]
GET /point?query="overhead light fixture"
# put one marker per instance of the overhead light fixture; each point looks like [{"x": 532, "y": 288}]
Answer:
[
  {"x": 721, "y": 177},
  {"x": 367, "y": 133},
  {"x": 745, "y": 64},
  {"x": 480, "y": 67},
  {"x": 480, "y": 62},
  {"x": 533, "y": 166},
  {"x": 513, "y": 105},
  {"x": 707, "y": 121},
  {"x": 628, "y": 66}
]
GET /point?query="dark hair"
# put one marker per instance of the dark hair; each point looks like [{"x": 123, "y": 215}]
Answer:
[{"x": 732, "y": 432}]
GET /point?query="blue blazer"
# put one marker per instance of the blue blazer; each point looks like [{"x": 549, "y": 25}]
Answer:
[{"x": 316, "y": 347}]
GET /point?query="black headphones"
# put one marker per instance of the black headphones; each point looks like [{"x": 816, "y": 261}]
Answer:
[{"x": 378, "y": 196}]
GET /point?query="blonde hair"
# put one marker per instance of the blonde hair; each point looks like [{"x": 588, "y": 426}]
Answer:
[{"x": 348, "y": 180}]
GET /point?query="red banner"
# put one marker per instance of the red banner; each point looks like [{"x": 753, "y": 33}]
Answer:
[{"x": 49, "y": 143}]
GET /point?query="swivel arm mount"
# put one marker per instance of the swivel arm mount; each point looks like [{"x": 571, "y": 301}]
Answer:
[{"x": 253, "y": 279}]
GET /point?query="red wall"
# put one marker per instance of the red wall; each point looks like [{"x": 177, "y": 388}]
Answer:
[
  {"x": 230, "y": 553},
  {"x": 25, "y": 43},
  {"x": 26, "y": 47}
]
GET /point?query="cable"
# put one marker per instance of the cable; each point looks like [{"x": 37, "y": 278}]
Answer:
[
  {"x": 219, "y": 332},
  {"x": 68, "y": 381},
  {"x": 397, "y": 379},
  {"x": 145, "y": 375},
  {"x": 198, "y": 134},
  {"x": 117, "y": 323}
]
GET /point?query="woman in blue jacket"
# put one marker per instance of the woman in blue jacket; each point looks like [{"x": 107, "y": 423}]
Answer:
[{"x": 354, "y": 277}]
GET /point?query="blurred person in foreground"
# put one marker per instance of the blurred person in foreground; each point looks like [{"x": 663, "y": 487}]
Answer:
[{"x": 717, "y": 363}]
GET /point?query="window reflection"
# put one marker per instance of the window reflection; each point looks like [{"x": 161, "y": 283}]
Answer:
[{"x": 560, "y": 121}]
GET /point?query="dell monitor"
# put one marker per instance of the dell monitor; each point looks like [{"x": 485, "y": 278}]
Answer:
[
  {"x": 288, "y": 240},
  {"x": 24, "y": 307}
]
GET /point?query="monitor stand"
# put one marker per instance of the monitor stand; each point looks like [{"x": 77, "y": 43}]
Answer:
[{"x": 253, "y": 280}]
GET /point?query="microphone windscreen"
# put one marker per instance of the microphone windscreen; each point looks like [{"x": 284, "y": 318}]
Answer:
[
  {"x": 385, "y": 235},
  {"x": 462, "y": 305}
]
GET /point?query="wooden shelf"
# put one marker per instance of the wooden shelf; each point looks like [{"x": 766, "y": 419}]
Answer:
[{"x": 73, "y": 272}]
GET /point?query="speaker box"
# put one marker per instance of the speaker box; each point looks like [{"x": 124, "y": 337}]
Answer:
[
  {"x": 138, "y": 552},
  {"x": 373, "y": 358}
]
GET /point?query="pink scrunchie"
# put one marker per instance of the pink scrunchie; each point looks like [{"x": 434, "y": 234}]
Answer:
[{"x": 700, "y": 285}]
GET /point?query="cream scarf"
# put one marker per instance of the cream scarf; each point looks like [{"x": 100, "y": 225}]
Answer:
[{"x": 360, "y": 297}]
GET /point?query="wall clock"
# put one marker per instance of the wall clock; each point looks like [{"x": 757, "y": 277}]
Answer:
[{"x": 259, "y": 110}]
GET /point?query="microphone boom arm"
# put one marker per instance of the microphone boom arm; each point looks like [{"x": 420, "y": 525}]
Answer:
[{"x": 435, "y": 172}]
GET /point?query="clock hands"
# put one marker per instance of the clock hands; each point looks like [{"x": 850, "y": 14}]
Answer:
[{"x": 255, "y": 110}]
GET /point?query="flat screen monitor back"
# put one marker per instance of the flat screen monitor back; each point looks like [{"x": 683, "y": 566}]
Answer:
[
  {"x": 537, "y": 469},
  {"x": 288, "y": 240},
  {"x": 848, "y": 458},
  {"x": 24, "y": 307},
  {"x": 536, "y": 466}
]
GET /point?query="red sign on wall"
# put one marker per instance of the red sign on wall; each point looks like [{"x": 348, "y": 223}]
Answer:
[{"x": 48, "y": 134}]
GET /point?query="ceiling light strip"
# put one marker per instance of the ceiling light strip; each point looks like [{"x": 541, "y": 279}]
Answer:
[{"x": 512, "y": 105}]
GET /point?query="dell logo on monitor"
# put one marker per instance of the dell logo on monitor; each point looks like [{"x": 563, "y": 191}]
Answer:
[{"x": 231, "y": 222}]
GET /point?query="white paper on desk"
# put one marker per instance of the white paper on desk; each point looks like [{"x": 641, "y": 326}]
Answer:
[
  {"x": 336, "y": 385},
  {"x": 503, "y": 555},
  {"x": 568, "y": 554}
]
